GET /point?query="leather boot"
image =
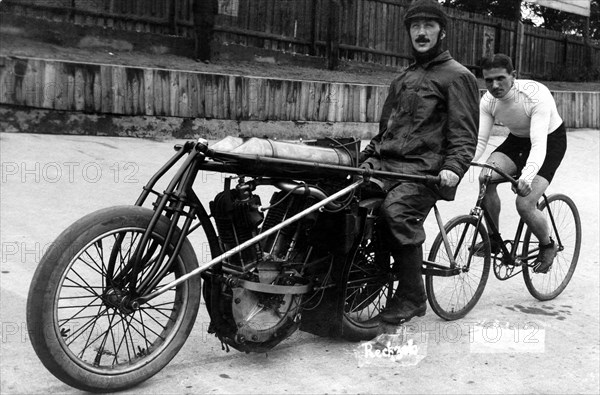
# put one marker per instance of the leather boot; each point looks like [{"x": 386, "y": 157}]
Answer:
[{"x": 410, "y": 299}]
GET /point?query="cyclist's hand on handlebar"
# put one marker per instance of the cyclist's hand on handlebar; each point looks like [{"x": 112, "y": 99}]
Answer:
[
  {"x": 448, "y": 178},
  {"x": 523, "y": 187}
]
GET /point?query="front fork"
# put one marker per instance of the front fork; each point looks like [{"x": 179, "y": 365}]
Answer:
[{"x": 178, "y": 200}]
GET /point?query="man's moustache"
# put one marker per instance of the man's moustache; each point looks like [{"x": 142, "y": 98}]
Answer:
[{"x": 422, "y": 40}]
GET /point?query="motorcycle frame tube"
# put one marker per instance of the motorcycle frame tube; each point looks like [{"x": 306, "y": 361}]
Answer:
[
  {"x": 318, "y": 167},
  {"x": 237, "y": 249}
]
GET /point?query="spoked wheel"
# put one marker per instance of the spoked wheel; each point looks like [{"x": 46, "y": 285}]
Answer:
[
  {"x": 454, "y": 296},
  {"x": 368, "y": 285},
  {"x": 84, "y": 328},
  {"x": 565, "y": 225}
]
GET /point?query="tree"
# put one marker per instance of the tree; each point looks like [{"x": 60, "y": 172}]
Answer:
[
  {"x": 505, "y": 9},
  {"x": 544, "y": 17},
  {"x": 569, "y": 23}
]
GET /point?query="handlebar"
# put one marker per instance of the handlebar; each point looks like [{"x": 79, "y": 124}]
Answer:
[{"x": 501, "y": 172}]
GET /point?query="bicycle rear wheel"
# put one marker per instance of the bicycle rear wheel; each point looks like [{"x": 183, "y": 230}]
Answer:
[
  {"x": 453, "y": 297},
  {"x": 565, "y": 228}
]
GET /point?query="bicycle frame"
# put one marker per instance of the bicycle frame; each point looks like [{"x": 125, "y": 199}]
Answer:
[{"x": 509, "y": 257}]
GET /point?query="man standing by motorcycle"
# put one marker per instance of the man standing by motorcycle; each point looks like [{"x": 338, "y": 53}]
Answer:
[{"x": 428, "y": 126}]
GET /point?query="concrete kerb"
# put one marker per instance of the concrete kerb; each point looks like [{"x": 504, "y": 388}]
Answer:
[
  {"x": 27, "y": 120},
  {"x": 14, "y": 119}
]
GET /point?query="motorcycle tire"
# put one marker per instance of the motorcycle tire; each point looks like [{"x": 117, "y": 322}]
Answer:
[
  {"x": 366, "y": 289},
  {"x": 77, "y": 327}
]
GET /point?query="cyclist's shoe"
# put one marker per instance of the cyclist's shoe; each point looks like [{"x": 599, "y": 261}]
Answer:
[
  {"x": 402, "y": 312},
  {"x": 545, "y": 257},
  {"x": 479, "y": 249}
]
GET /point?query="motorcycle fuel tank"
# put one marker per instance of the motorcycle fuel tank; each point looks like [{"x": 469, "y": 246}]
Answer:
[{"x": 284, "y": 150}]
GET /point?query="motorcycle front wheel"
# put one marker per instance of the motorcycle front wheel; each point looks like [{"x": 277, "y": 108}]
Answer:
[{"x": 79, "y": 322}]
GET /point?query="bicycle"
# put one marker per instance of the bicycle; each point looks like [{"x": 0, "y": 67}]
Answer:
[{"x": 453, "y": 296}]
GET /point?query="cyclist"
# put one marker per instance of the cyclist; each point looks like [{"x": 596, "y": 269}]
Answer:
[{"x": 533, "y": 150}]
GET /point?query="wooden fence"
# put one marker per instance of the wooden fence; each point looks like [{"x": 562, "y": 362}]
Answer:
[
  {"x": 121, "y": 90},
  {"x": 359, "y": 30}
]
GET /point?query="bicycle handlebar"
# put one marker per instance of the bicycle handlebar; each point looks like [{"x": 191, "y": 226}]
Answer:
[{"x": 504, "y": 175}]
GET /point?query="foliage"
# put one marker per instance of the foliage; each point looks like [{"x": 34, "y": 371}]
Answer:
[
  {"x": 579, "y": 73},
  {"x": 505, "y": 9},
  {"x": 544, "y": 17},
  {"x": 569, "y": 23}
]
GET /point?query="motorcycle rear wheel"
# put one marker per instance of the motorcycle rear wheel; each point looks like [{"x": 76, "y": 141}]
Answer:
[
  {"x": 78, "y": 326},
  {"x": 367, "y": 286}
]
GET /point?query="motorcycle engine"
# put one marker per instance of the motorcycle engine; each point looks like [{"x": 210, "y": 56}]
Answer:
[{"x": 254, "y": 320}]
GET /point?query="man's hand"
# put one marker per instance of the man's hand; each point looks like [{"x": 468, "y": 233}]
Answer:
[
  {"x": 523, "y": 187},
  {"x": 448, "y": 178}
]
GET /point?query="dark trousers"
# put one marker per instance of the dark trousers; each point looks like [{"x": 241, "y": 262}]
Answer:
[{"x": 404, "y": 210}]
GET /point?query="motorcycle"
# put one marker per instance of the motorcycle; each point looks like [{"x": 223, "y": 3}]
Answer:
[{"x": 117, "y": 294}]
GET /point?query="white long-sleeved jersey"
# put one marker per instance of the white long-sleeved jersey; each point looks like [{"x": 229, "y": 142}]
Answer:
[{"x": 528, "y": 110}]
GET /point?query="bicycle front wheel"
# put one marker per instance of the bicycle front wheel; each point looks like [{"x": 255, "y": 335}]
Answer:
[
  {"x": 565, "y": 228},
  {"x": 82, "y": 328},
  {"x": 454, "y": 296}
]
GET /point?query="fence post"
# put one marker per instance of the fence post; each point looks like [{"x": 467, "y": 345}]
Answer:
[
  {"x": 72, "y": 12},
  {"x": 588, "y": 45},
  {"x": 520, "y": 45},
  {"x": 498, "y": 38},
  {"x": 566, "y": 51},
  {"x": 333, "y": 34},
  {"x": 172, "y": 12},
  {"x": 312, "y": 50}
]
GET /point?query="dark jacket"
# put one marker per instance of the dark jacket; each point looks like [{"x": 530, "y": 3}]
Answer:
[{"x": 429, "y": 121}]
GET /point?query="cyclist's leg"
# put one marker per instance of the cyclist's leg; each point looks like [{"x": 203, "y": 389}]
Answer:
[
  {"x": 527, "y": 208},
  {"x": 491, "y": 201}
]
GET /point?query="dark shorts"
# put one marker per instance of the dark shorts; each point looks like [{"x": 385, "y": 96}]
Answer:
[{"x": 517, "y": 149}]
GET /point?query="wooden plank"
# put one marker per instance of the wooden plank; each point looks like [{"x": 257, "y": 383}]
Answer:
[
  {"x": 79, "y": 93},
  {"x": 173, "y": 107},
  {"x": 62, "y": 88},
  {"x": 40, "y": 67},
  {"x": 207, "y": 91},
  {"x": 183, "y": 97},
  {"x": 202, "y": 112},
  {"x": 362, "y": 112},
  {"x": 148, "y": 92},
  {"x": 304, "y": 100},
  {"x": 263, "y": 98},
  {"x": 313, "y": 101},
  {"x": 223, "y": 98},
  {"x": 118, "y": 91},
  {"x": 29, "y": 83},
  {"x": 192, "y": 82},
  {"x": 165, "y": 92},
  {"x": 7, "y": 81},
  {"x": 234, "y": 89},
  {"x": 322, "y": 101}
]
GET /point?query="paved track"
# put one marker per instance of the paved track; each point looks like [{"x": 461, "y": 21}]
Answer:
[{"x": 50, "y": 181}]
